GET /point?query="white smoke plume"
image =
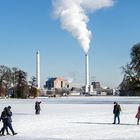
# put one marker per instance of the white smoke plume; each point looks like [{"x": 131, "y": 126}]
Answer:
[{"x": 73, "y": 17}]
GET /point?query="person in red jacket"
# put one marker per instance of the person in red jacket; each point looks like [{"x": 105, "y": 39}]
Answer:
[{"x": 138, "y": 115}]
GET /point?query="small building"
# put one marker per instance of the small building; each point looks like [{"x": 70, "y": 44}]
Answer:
[
  {"x": 103, "y": 93},
  {"x": 56, "y": 82},
  {"x": 96, "y": 85}
]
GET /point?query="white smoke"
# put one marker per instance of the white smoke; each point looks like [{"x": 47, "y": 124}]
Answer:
[{"x": 74, "y": 19}]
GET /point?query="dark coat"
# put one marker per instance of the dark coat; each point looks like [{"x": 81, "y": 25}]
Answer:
[
  {"x": 37, "y": 106},
  {"x": 9, "y": 115},
  {"x": 3, "y": 116},
  {"x": 116, "y": 109}
]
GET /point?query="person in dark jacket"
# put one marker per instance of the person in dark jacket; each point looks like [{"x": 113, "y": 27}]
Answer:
[
  {"x": 116, "y": 112},
  {"x": 3, "y": 118},
  {"x": 8, "y": 121},
  {"x": 37, "y": 107}
]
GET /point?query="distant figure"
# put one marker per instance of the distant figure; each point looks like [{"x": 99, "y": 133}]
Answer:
[
  {"x": 116, "y": 112},
  {"x": 138, "y": 115},
  {"x": 37, "y": 107},
  {"x": 3, "y": 117}
]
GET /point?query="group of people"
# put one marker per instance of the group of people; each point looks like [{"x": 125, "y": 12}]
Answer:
[
  {"x": 7, "y": 114},
  {"x": 117, "y": 110},
  {"x": 7, "y": 121},
  {"x": 6, "y": 118}
]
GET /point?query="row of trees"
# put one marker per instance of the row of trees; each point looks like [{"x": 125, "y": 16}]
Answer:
[
  {"x": 130, "y": 86},
  {"x": 13, "y": 83}
]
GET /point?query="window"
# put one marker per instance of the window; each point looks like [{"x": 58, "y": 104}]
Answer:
[{"x": 61, "y": 83}]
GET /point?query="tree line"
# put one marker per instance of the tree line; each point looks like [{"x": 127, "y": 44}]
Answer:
[{"x": 13, "y": 83}]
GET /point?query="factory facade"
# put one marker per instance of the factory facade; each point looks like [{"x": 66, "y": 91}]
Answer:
[{"x": 56, "y": 82}]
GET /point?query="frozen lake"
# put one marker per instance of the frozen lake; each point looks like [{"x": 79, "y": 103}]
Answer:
[{"x": 73, "y": 118}]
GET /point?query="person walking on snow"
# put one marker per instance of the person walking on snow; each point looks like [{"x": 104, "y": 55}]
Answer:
[
  {"x": 37, "y": 107},
  {"x": 8, "y": 121},
  {"x": 116, "y": 112},
  {"x": 3, "y": 117},
  {"x": 138, "y": 115}
]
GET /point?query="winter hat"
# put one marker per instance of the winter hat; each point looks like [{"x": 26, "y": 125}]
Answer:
[{"x": 9, "y": 107}]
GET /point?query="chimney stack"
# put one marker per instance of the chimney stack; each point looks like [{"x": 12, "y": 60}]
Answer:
[
  {"x": 86, "y": 74},
  {"x": 38, "y": 69}
]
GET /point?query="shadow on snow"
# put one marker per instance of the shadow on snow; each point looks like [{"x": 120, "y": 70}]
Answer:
[{"x": 101, "y": 123}]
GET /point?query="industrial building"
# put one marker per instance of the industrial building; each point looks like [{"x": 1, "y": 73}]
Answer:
[{"x": 56, "y": 82}]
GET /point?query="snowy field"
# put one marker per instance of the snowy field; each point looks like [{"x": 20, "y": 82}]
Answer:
[{"x": 73, "y": 118}]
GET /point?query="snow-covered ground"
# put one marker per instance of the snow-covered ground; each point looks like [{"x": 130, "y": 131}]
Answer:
[{"x": 73, "y": 118}]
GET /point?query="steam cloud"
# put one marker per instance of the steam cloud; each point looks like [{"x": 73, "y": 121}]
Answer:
[{"x": 73, "y": 17}]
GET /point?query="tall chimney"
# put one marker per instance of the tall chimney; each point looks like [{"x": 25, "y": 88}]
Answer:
[
  {"x": 86, "y": 74},
  {"x": 38, "y": 69}
]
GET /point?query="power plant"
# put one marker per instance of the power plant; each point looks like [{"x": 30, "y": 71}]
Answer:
[
  {"x": 38, "y": 69},
  {"x": 87, "y": 84},
  {"x": 74, "y": 18}
]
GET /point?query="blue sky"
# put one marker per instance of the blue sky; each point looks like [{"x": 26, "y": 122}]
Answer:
[{"x": 28, "y": 25}]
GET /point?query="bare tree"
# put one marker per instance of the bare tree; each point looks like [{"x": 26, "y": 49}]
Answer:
[{"x": 5, "y": 79}]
